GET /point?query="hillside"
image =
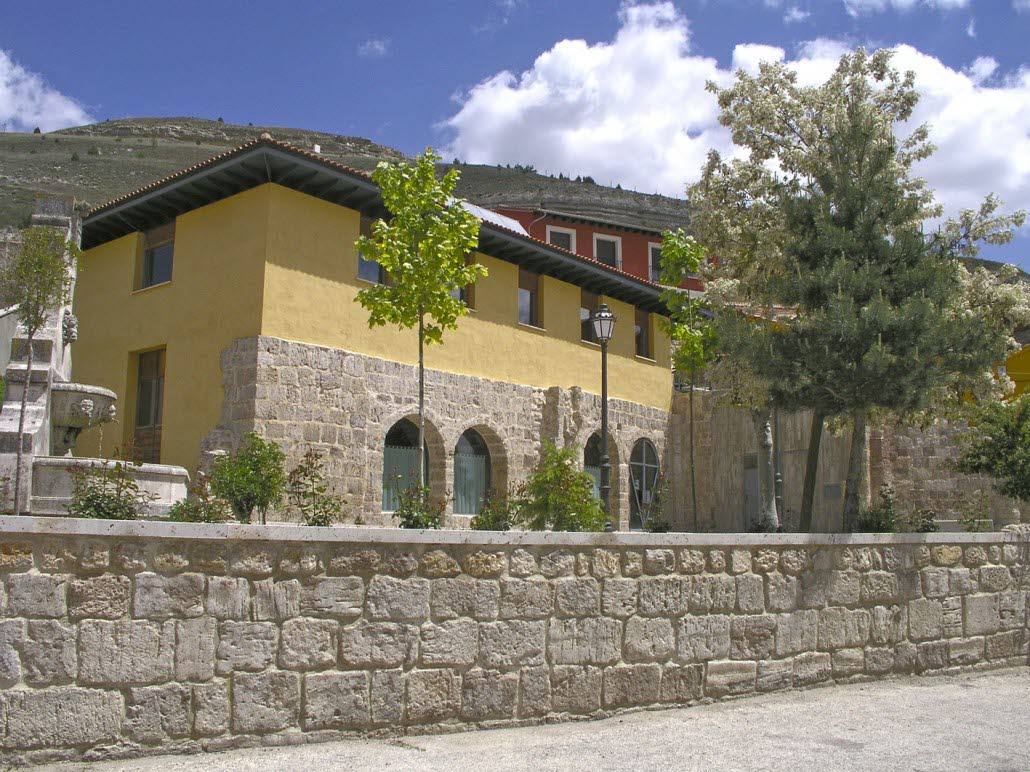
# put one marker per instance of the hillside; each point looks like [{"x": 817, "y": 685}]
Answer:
[{"x": 100, "y": 161}]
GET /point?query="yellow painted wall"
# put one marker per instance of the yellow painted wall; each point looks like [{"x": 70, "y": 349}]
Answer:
[
  {"x": 1018, "y": 368},
  {"x": 213, "y": 298},
  {"x": 311, "y": 284},
  {"x": 275, "y": 262}
]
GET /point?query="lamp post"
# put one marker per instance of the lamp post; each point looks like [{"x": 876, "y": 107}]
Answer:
[{"x": 604, "y": 328}]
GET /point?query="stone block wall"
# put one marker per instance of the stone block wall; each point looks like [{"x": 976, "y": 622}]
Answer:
[
  {"x": 343, "y": 404},
  {"x": 918, "y": 462},
  {"x": 724, "y": 437},
  {"x": 120, "y": 639}
]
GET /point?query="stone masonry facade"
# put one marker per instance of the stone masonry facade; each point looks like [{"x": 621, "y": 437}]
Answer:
[
  {"x": 123, "y": 639},
  {"x": 918, "y": 463},
  {"x": 343, "y": 404}
]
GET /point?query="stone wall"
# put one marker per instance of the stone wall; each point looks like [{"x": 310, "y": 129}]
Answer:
[
  {"x": 917, "y": 462},
  {"x": 724, "y": 440},
  {"x": 343, "y": 404},
  {"x": 127, "y": 638}
]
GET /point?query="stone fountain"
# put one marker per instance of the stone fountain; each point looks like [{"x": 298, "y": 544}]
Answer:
[
  {"x": 59, "y": 410},
  {"x": 75, "y": 407}
]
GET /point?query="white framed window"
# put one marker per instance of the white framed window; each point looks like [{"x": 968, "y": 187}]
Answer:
[
  {"x": 608, "y": 249},
  {"x": 654, "y": 261},
  {"x": 562, "y": 237}
]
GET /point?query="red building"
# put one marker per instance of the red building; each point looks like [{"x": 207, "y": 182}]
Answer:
[{"x": 630, "y": 248}]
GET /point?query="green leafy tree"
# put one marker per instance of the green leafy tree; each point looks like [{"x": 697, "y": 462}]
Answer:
[
  {"x": 998, "y": 444},
  {"x": 253, "y": 477},
  {"x": 559, "y": 497},
  {"x": 309, "y": 492},
  {"x": 689, "y": 325},
  {"x": 423, "y": 247},
  {"x": 820, "y": 228},
  {"x": 36, "y": 278}
]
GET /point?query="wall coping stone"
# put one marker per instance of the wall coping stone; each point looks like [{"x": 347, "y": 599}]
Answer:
[{"x": 26, "y": 526}]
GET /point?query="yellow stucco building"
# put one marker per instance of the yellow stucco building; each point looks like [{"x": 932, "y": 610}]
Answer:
[{"x": 221, "y": 300}]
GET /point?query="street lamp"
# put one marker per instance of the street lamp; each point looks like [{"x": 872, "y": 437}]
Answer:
[{"x": 604, "y": 328}]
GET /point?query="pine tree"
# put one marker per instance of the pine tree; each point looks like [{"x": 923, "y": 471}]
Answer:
[{"x": 865, "y": 311}]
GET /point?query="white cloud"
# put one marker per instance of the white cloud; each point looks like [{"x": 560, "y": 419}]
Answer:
[
  {"x": 863, "y": 7},
  {"x": 747, "y": 56},
  {"x": 499, "y": 15},
  {"x": 868, "y": 7},
  {"x": 1021, "y": 5},
  {"x": 982, "y": 68},
  {"x": 795, "y": 14},
  {"x": 634, "y": 110},
  {"x": 374, "y": 47},
  {"x": 971, "y": 28},
  {"x": 26, "y": 101}
]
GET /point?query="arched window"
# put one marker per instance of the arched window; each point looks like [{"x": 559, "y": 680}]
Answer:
[
  {"x": 400, "y": 462},
  {"x": 592, "y": 461},
  {"x": 471, "y": 473},
  {"x": 643, "y": 469}
]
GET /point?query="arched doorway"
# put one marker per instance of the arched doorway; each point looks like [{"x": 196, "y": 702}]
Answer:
[
  {"x": 472, "y": 473},
  {"x": 592, "y": 461},
  {"x": 643, "y": 471},
  {"x": 400, "y": 462}
]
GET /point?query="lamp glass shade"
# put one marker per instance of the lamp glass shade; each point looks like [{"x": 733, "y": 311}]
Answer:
[{"x": 604, "y": 323}]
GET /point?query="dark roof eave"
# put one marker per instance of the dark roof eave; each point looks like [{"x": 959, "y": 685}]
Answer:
[
  {"x": 616, "y": 285},
  {"x": 218, "y": 178}
]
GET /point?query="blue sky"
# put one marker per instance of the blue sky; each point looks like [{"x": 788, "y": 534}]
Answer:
[{"x": 583, "y": 86}]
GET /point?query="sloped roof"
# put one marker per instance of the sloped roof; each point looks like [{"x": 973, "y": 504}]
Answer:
[{"x": 266, "y": 160}]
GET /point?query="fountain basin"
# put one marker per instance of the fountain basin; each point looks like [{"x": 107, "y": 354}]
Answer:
[
  {"x": 53, "y": 484},
  {"x": 74, "y": 407}
]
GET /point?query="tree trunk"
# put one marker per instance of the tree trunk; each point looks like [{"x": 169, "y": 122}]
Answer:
[
  {"x": 768, "y": 521},
  {"x": 693, "y": 468},
  {"x": 21, "y": 426},
  {"x": 856, "y": 469},
  {"x": 815, "y": 438},
  {"x": 421, "y": 406}
]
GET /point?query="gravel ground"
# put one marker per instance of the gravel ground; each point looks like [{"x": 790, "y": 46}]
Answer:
[{"x": 975, "y": 721}]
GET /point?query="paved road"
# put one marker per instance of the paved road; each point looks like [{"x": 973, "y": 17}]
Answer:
[{"x": 977, "y": 722}]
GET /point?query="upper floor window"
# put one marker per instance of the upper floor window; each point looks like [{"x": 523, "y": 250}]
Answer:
[
  {"x": 562, "y": 237},
  {"x": 158, "y": 246},
  {"x": 464, "y": 294},
  {"x": 608, "y": 250},
  {"x": 588, "y": 303},
  {"x": 529, "y": 298},
  {"x": 642, "y": 333},
  {"x": 654, "y": 262},
  {"x": 369, "y": 270}
]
